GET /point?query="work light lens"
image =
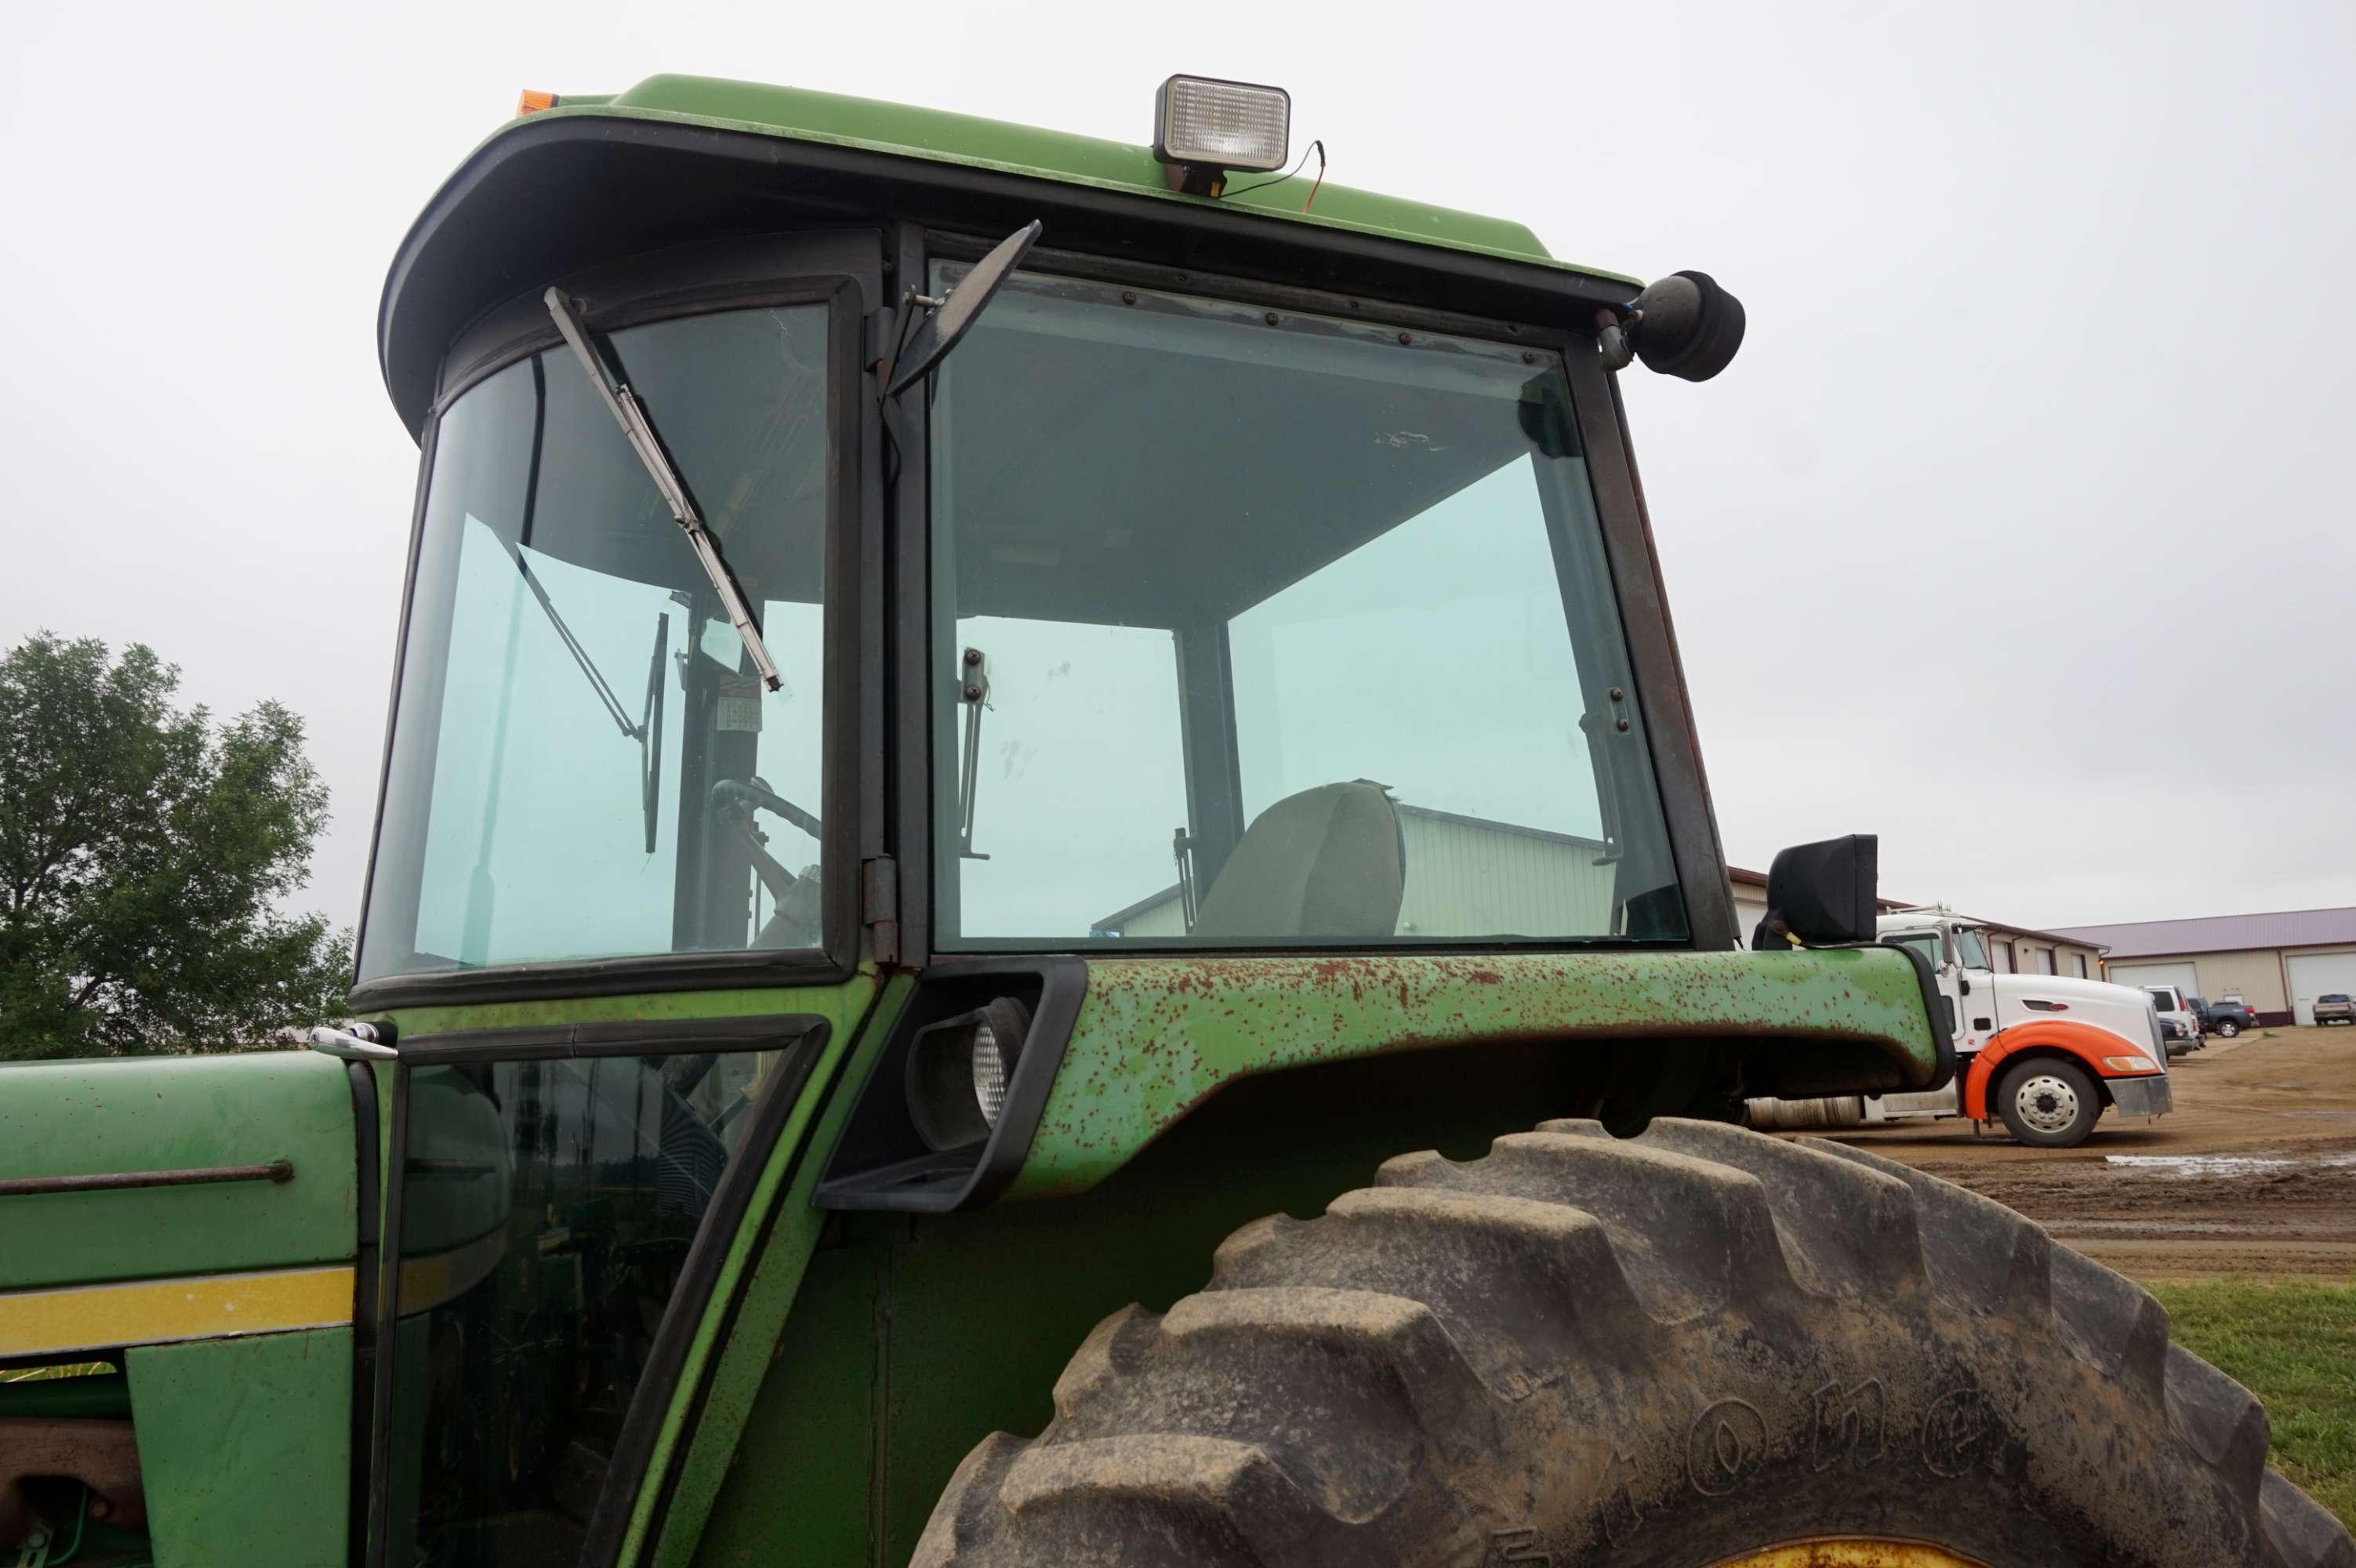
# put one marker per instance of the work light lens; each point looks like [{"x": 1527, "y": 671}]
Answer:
[
  {"x": 1222, "y": 124},
  {"x": 988, "y": 1074}
]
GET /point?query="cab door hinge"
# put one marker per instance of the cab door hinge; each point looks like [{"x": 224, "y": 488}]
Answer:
[{"x": 879, "y": 897}]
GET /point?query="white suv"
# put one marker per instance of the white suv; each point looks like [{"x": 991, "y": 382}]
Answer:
[{"x": 2176, "y": 1015}]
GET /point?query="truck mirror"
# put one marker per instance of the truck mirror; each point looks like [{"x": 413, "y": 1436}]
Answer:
[
  {"x": 1822, "y": 893},
  {"x": 946, "y": 323}
]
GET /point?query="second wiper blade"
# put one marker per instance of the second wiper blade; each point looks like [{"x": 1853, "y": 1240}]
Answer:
[{"x": 632, "y": 417}]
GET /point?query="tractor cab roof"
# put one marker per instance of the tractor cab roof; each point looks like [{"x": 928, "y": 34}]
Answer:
[{"x": 681, "y": 159}]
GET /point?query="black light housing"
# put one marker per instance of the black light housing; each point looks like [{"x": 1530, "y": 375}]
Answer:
[
  {"x": 1205, "y": 127},
  {"x": 958, "y": 1072},
  {"x": 1685, "y": 325},
  {"x": 1822, "y": 893}
]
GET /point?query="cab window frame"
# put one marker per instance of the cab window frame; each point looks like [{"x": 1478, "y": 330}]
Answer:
[
  {"x": 837, "y": 273},
  {"x": 1629, "y": 561}
]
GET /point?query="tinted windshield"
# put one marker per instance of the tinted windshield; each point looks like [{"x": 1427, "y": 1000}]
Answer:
[
  {"x": 1272, "y": 630},
  {"x": 582, "y": 761},
  {"x": 1971, "y": 948}
]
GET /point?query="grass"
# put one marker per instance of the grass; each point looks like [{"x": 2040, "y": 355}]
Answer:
[
  {"x": 2294, "y": 1346},
  {"x": 33, "y": 1374}
]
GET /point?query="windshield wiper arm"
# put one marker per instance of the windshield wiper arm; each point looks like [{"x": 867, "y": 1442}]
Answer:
[
  {"x": 632, "y": 417},
  {"x": 613, "y": 709}
]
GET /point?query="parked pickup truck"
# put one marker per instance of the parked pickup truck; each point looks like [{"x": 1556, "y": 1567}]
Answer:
[
  {"x": 2225, "y": 1020},
  {"x": 2043, "y": 1054},
  {"x": 2334, "y": 1008}
]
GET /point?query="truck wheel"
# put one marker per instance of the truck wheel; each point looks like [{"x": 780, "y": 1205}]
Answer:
[
  {"x": 1695, "y": 1347},
  {"x": 2049, "y": 1102},
  {"x": 2227, "y": 1028}
]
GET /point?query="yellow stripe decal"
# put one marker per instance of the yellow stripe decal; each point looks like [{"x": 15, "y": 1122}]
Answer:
[{"x": 149, "y": 1312}]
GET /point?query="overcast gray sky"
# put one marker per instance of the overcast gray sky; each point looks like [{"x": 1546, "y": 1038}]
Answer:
[{"x": 2020, "y": 533}]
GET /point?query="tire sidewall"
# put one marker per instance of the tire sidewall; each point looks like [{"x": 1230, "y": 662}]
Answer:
[{"x": 2090, "y": 1104}]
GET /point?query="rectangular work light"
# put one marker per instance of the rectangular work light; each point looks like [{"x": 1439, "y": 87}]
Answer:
[{"x": 1211, "y": 125}]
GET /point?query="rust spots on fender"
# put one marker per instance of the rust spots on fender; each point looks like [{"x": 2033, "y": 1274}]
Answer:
[{"x": 1156, "y": 1037}]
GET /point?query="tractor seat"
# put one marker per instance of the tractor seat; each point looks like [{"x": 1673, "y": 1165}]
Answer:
[{"x": 1328, "y": 862}]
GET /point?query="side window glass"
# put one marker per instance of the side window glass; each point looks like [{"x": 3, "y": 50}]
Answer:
[
  {"x": 1078, "y": 780},
  {"x": 1344, "y": 660},
  {"x": 1425, "y": 658},
  {"x": 546, "y": 1211}
]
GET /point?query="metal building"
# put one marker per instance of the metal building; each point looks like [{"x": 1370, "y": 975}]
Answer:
[
  {"x": 2277, "y": 964},
  {"x": 1463, "y": 873}
]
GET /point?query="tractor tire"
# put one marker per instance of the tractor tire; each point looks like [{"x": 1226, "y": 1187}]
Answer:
[
  {"x": 2049, "y": 1103},
  {"x": 1688, "y": 1347}
]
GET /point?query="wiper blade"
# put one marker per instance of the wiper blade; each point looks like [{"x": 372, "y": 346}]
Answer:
[{"x": 632, "y": 416}]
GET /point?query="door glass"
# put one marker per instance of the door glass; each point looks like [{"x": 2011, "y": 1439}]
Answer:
[{"x": 546, "y": 1209}]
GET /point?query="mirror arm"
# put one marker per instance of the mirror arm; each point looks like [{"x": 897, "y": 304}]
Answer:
[{"x": 923, "y": 343}]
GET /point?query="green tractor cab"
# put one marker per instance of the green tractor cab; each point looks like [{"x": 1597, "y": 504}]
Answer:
[{"x": 1020, "y": 766}]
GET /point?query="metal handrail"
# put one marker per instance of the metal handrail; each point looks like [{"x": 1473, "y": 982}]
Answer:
[
  {"x": 353, "y": 1043},
  {"x": 275, "y": 1171}
]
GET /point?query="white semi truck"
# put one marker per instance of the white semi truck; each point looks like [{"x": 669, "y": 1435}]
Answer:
[{"x": 2044, "y": 1054}]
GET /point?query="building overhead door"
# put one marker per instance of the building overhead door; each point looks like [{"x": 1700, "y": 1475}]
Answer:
[
  {"x": 2315, "y": 975},
  {"x": 2180, "y": 975}
]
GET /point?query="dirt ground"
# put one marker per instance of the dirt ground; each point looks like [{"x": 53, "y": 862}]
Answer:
[{"x": 2254, "y": 1172}]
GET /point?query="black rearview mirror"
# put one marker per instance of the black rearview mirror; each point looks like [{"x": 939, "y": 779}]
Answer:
[
  {"x": 930, "y": 340},
  {"x": 1822, "y": 893}
]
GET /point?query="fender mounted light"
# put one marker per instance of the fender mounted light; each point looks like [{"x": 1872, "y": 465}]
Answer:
[{"x": 956, "y": 1073}]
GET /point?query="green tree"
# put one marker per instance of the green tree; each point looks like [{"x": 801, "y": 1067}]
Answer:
[{"x": 143, "y": 854}]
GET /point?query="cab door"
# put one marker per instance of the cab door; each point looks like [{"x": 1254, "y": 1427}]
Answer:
[{"x": 559, "y": 1201}]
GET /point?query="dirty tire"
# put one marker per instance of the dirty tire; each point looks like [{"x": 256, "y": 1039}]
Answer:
[
  {"x": 1665, "y": 1351},
  {"x": 2076, "y": 1094}
]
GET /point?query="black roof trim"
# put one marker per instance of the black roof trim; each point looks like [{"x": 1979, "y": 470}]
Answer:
[{"x": 549, "y": 197}]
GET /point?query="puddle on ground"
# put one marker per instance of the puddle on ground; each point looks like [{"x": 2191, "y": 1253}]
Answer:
[{"x": 2223, "y": 1165}]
